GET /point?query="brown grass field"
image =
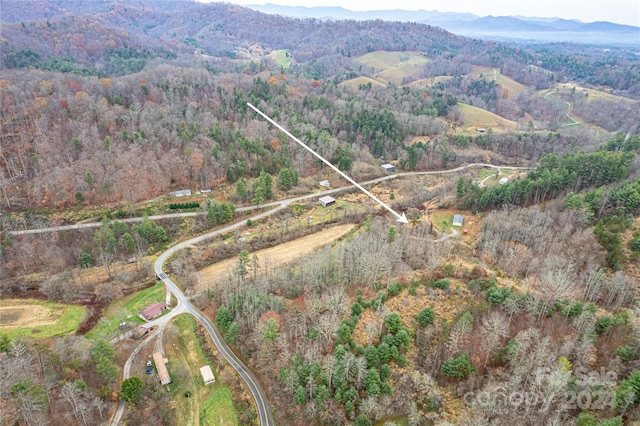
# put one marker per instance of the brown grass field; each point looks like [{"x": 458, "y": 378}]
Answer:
[
  {"x": 38, "y": 318},
  {"x": 512, "y": 87},
  {"x": 428, "y": 82},
  {"x": 475, "y": 118},
  {"x": 282, "y": 253},
  {"x": 355, "y": 82},
  {"x": 394, "y": 66},
  {"x": 28, "y": 315}
]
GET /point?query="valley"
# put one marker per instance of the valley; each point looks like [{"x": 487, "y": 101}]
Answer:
[{"x": 134, "y": 175}]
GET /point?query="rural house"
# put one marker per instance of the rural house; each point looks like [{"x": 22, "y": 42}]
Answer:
[
  {"x": 161, "y": 366},
  {"x": 457, "y": 220},
  {"x": 183, "y": 193},
  {"x": 325, "y": 183},
  {"x": 152, "y": 311},
  {"x": 388, "y": 168}
]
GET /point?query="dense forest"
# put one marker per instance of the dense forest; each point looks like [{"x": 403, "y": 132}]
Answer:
[{"x": 106, "y": 105}]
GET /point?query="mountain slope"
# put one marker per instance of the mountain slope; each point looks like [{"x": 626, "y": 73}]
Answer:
[{"x": 489, "y": 27}]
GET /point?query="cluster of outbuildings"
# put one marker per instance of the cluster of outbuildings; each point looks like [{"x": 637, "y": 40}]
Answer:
[
  {"x": 159, "y": 359},
  {"x": 187, "y": 192},
  {"x": 326, "y": 201}
]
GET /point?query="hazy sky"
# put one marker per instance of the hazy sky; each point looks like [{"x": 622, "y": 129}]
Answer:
[{"x": 618, "y": 11}]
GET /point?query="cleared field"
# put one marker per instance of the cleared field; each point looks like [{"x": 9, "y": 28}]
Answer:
[
  {"x": 591, "y": 93},
  {"x": 428, "y": 82},
  {"x": 512, "y": 87},
  {"x": 38, "y": 319},
  {"x": 205, "y": 405},
  {"x": 282, "y": 57},
  {"x": 475, "y": 117},
  {"x": 442, "y": 219},
  {"x": 281, "y": 253},
  {"x": 354, "y": 83},
  {"x": 394, "y": 66}
]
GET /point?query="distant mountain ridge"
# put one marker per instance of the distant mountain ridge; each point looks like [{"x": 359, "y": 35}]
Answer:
[{"x": 504, "y": 28}]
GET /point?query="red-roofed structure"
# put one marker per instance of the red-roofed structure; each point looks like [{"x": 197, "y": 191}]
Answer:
[{"x": 152, "y": 311}]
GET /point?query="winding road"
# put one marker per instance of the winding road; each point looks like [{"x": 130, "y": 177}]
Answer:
[
  {"x": 185, "y": 306},
  {"x": 281, "y": 203}
]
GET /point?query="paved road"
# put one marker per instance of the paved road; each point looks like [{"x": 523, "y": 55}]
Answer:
[
  {"x": 281, "y": 203},
  {"x": 184, "y": 305}
]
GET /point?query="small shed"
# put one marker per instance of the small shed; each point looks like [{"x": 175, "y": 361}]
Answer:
[
  {"x": 183, "y": 193},
  {"x": 481, "y": 130},
  {"x": 207, "y": 375},
  {"x": 140, "y": 332},
  {"x": 457, "y": 220},
  {"x": 325, "y": 183},
  {"x": 388, "y": 168},
  {"x": 326, "y": 201},
  {"x": 503, "y": 181},
  {"x": 161, "y": 366},
  {"x": 205, "y": 191},
  {"x": 152, "y": 311}
]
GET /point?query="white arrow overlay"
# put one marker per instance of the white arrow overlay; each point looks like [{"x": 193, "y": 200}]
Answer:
[{"x": 401, "y": 217}]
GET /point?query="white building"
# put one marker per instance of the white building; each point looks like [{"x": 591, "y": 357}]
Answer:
[
  {"x": 388, "y": 168},
  {"x": 326, "y": 201},
  {"x": 457, "y": 220},
  {"x": 503, "y": 181},
  {"x": 207, "y": 375}
]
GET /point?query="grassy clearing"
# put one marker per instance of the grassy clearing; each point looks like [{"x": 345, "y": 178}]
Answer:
[
  {"x": 383, "y": 60},
  {"x": 567, "y": 88},
  {"x": 126, "y": 309},
  {"x": 283, "y": 58},
  {"x": 475, "y": 117},
  {"x": 492, "y": 181},
  {"x": 354, "y": 83},
  {"x": 512, "y": 87},
  {"x": 38, "y": 319},
  {"x": 487, "y": 172},
  {"x": 428, "y": 82},
  {"x": 394, "y": 66},
  {"x": 442, "y": 220},
  {"x": 218, "y": 407},
  {"x": 206, "y": 405}
]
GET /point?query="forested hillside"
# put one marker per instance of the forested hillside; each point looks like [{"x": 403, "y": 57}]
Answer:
[{"x": 130, "y": 110}]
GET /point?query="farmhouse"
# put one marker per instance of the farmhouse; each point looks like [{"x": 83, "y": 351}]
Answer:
[
  {"x": 388, "y": 168},
  {"x": 152, "y": 311},
  {"x": 326, "y": 201},
  {"x": 457, "y": 220},
  {"x": 205, "y": 191},
  {"x": 207, "y": 375},
  {"x": 161, "y": 366},
  {"x": 183, "y": 193},
  {"x": 325, "y": 183}
]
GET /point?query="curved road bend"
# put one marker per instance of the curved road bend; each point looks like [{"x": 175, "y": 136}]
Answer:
[
  {"x": 270, "y": 204},
  {"x": 184, "y": 305}
]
